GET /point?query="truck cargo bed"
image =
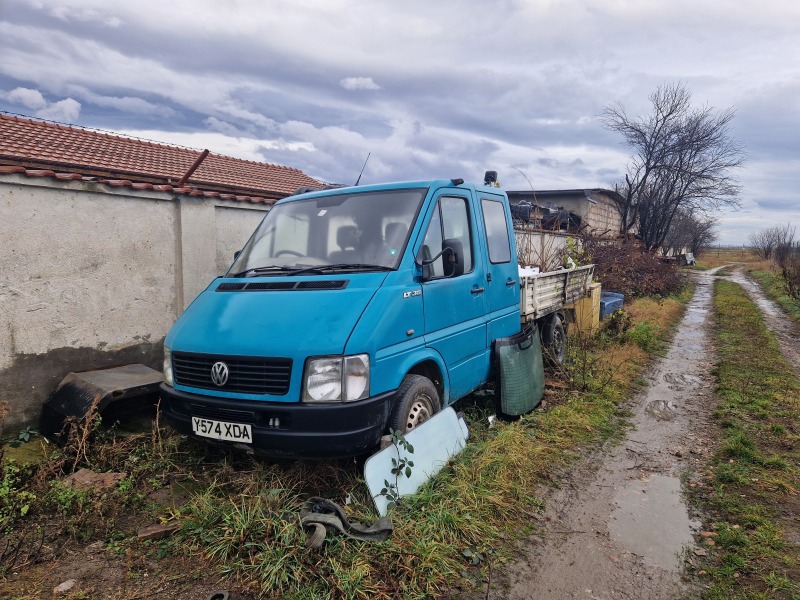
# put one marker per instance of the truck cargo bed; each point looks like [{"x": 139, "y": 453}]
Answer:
[{"x": 545, "y": 293}]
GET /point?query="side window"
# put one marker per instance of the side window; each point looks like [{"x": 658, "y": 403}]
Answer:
[
  {"x": 494, "y": 217},
  {"x": 455, "y": 218},
  {"x": 450, "y": 221}
]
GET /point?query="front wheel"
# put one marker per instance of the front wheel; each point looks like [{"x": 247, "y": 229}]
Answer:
[{"x": 417, "y": 401}]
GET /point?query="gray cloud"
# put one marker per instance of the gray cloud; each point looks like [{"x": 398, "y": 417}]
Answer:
[
  {"x": 359, "y": 83},
  {"x": 430, "y": 89},
  {"x": 28, "y": 98},
  {"x": 66, "y": 111}
]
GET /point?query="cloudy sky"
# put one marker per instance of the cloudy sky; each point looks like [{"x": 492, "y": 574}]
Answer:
[{"x": 430, "y": 89}]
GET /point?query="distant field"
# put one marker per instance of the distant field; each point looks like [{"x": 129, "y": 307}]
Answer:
[
  {"x": 766, "y": 272},
  {"x": 716, "y": 257}
]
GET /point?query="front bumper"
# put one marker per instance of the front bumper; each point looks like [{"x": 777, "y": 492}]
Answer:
[{"x": 288, "y": 429}]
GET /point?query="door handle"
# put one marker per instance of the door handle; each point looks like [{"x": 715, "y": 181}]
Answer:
[
  {"x": 477, "y": 290},
  {"x": 511, "y": 282}
]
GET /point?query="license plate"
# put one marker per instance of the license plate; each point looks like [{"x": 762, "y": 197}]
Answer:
[{"x": 220, "y": 430}]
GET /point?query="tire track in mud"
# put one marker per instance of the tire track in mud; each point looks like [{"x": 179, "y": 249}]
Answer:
[
  {"x": 619, "y": 526},
  {"x": 786, "y": 331}
]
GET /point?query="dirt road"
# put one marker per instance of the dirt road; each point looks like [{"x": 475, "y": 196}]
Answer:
[
  {"x": 786, "y": 331},
  {"x": 619, "y": 526}
]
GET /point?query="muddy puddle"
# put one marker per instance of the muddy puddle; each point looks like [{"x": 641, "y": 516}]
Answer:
[
  {"x": 619, "y": 526},
  {"x": 652, "y": 521},
  {"x": 663, "y": 410}
]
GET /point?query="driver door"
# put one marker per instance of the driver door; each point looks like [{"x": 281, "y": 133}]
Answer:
[{"x": 455, "y": 306}]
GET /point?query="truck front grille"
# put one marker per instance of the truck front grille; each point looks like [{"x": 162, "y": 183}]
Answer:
[{"x": 245, "y": 375}]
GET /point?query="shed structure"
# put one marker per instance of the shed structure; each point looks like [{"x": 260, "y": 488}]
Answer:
[{"x": 596, "y": 207}]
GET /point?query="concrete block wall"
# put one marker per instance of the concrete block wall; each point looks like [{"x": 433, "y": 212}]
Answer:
[
  {"x": 603, "y": 217},
  {"x": 93, "y": 276}
]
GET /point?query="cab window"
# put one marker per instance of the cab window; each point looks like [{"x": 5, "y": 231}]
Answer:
[
  {"x": 494, "y": 218},
  {"x": 449, "y": 221}
]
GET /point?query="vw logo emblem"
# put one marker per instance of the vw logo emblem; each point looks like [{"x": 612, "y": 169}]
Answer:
[{"x": 219, "y": 374}]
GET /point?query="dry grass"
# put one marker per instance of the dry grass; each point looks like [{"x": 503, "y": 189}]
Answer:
[
  {"x": 716, "y": 257},
  {"x": 242, "y": 516},
  {"x": 774, "y": 286},
  {"x": 661, "y": 312},
  {"x": 652, "y": 321}
]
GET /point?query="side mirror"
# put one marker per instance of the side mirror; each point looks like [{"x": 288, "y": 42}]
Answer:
[
  {"x": 453, "y": 254},
  {"x": 424, "y": 261}
]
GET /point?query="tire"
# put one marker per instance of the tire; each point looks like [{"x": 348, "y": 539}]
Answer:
[
  {"x": 554, "y": 339},
  {"x": 416, "y": 401}
]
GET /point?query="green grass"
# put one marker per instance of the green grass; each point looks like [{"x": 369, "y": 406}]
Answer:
[
  {"x": 774, "y": 287},
  {"x": 469, "y": 509},
  {"x": 241, "y": 517},
  {"x": 725, "y": 271},
  {"x": 755, "y": 470}
]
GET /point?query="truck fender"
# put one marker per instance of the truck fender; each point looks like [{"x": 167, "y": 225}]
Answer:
[{"x": 420, "y": 361}]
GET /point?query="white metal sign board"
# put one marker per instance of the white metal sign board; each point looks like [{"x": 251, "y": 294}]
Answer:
[{"x": 434, "y": 442}]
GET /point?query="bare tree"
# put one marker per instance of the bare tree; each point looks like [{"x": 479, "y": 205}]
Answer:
[
  {"x": 679, "y": 235},
  {"x": 704, "y": 235},
  {"x": 784, "y": 243},
  {"x": 763, "y": 243},
  {"x": 777, "y": 241},
  {"x": 683, "y": 158},
  {"x": 689, "y": 233}
]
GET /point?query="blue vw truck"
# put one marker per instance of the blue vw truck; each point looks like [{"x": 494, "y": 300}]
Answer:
[{"x": 349, "y": 311}]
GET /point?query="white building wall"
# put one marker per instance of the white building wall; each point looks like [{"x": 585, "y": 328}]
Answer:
[
  {"x": 94, "y": 276},
  {"x": 234, "y": 225}
]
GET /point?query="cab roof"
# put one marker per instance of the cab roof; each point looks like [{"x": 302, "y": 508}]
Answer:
[{"x": 397, "y": 185}]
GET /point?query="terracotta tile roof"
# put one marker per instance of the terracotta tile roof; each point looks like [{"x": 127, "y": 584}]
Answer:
[{"x": 44, "y": 149}]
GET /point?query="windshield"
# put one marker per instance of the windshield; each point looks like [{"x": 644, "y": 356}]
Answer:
[{"x": 356, "y": 230}]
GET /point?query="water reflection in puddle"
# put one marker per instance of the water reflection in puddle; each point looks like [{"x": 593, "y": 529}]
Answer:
[
  {"x": 663, "y": 410},
  {"x": 651, "y": 521},
  {"x": 680, "y": 381}
]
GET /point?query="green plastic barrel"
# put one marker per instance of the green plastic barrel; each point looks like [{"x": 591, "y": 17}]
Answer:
[{"x": 520, "y": 371}]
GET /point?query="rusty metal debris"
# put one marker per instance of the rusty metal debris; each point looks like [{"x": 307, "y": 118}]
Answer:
[{"x": 80, "y": 394}]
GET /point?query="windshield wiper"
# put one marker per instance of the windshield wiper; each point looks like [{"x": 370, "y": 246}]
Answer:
[
  {"x": 265, "y": 269},
  {"x": 341, "y": 267}
]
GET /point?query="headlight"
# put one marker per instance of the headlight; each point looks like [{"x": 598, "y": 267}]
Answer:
[
  {"x": 339, "y": 379},
  {"x": 168, "y": 379},
  {"x": 323, "y": 380}
]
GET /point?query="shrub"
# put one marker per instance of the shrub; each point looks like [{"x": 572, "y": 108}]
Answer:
[
  {"x": 790, "y": 270},
  {"x": 626, "y": 268},
  {"x": 645, "y": 336},
  {"x": 15, "y": 501}
]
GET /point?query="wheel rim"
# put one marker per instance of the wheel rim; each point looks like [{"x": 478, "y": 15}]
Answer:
[
  {"x": 419, "y": 412},
  {"x": 559, "y": 345}
]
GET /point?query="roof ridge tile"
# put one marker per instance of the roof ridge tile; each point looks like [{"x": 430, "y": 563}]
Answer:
[{"x": 138, "y": 186}]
